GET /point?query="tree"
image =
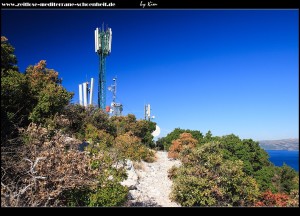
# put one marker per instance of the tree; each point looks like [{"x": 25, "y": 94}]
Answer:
[
  {"x": 253, "y": 156},
  {"x": 34, "y": 96},
  {"x": 265, "y": 177},
  {"x": 49, "y": 97},
  {"x": 208, "y": 136},
  {"x": 8, "y": 58},
  {"x": 50, "y": 101},
  {"x": 14, "y": 103},
  {"x": 14, "y": 93},
  {"x": 289, "y": 179}
]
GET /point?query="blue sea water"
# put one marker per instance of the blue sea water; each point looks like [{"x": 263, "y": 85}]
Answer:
[{"x": 278, "y": 157}]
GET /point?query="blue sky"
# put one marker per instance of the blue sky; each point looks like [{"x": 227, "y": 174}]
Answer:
[{"x": 228, "y": 71}]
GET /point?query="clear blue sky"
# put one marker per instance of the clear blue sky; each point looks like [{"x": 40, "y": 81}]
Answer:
[{"x": 228, "y": 71}]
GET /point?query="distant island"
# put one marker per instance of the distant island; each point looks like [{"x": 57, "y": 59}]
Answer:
[{"x": 283, "y": 144}]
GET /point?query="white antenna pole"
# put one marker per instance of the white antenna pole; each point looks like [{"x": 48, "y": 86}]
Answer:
[
  {"x": 149, "y": 114},
  {"x": 110, "y": 39},
  {"x": 85, "y": 94},
  {"x": 80, "y": 94},
  {"x": 96, "y": 40},
  {"x": 91, "y": 91}
]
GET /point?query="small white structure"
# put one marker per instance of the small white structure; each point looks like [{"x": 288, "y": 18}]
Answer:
[
  {"x": 84, "y": 90},
  {"x": 156, "y": 132}
]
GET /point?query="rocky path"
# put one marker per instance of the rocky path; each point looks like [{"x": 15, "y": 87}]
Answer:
[{"x": 149, "y": 182}]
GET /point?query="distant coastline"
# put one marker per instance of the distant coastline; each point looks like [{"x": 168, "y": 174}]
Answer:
[{"x": 283, "y": 144}]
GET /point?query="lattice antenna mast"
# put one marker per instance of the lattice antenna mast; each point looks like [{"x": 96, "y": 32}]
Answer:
[
  {"x": 103, "y": 39},
  {"x": 116, "y": 108},
  {"x": 114, "y": 89}
]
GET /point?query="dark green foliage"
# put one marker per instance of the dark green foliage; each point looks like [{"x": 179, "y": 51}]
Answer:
[
  {"x": 8, "y": 58},
  {"x": 265, "y": 178},
  {"x": 167, "y": 140},
  {"x": 76, "y": 197},
  {"x": 278, "y": 179},
  {"x": 247, "y": 150},
  {"x": 14, "y": 94},
  {"x": 288, "y": 179},
  {"x": 50, "y": 101},
  {"x": 208, "y": 137},
  {"x": 14, "y": 103},
  {"x": 256, "y": 164},
  {"x": 109, "y": 194}
]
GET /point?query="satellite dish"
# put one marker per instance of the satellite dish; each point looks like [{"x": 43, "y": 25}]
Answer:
[{"x": 156, "y": 132}]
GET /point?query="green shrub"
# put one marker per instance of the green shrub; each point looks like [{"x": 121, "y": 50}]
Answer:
[
  {"x": 109, "y": 194},
  {"x": 207, "y": 179}
]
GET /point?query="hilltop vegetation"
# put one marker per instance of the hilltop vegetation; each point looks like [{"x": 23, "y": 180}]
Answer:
[
  {"x": 228, "y": 171},
  {"x": 40, "y": 135}
]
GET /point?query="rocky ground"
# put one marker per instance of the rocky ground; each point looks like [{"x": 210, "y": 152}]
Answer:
[{"x": 149, "y": 183}]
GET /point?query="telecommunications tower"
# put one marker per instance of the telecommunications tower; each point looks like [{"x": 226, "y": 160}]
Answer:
[{"x": 103, "y": 40}]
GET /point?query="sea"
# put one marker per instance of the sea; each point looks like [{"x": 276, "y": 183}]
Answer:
[{"x": 278, "y": 157}]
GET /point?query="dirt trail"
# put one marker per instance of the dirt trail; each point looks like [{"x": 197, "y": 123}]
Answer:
[{"x": 153, "y": 185}]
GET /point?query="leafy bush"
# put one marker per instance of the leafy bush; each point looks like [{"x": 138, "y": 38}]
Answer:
[
  {"x": 98, "y": 138},
  {"x": 128, "y": 146},
  {"x": 109, "y": 194},
  {"x": 49, "y": 97},
  {"x": 274, "y": 200},
  {"x": 266, "y": 179},
  {"x": 207, "y": 179},
  {"x": 253, "y": 156},
  {"x": 289, "y": 179},
  {"x": 185, "y": 141}
]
